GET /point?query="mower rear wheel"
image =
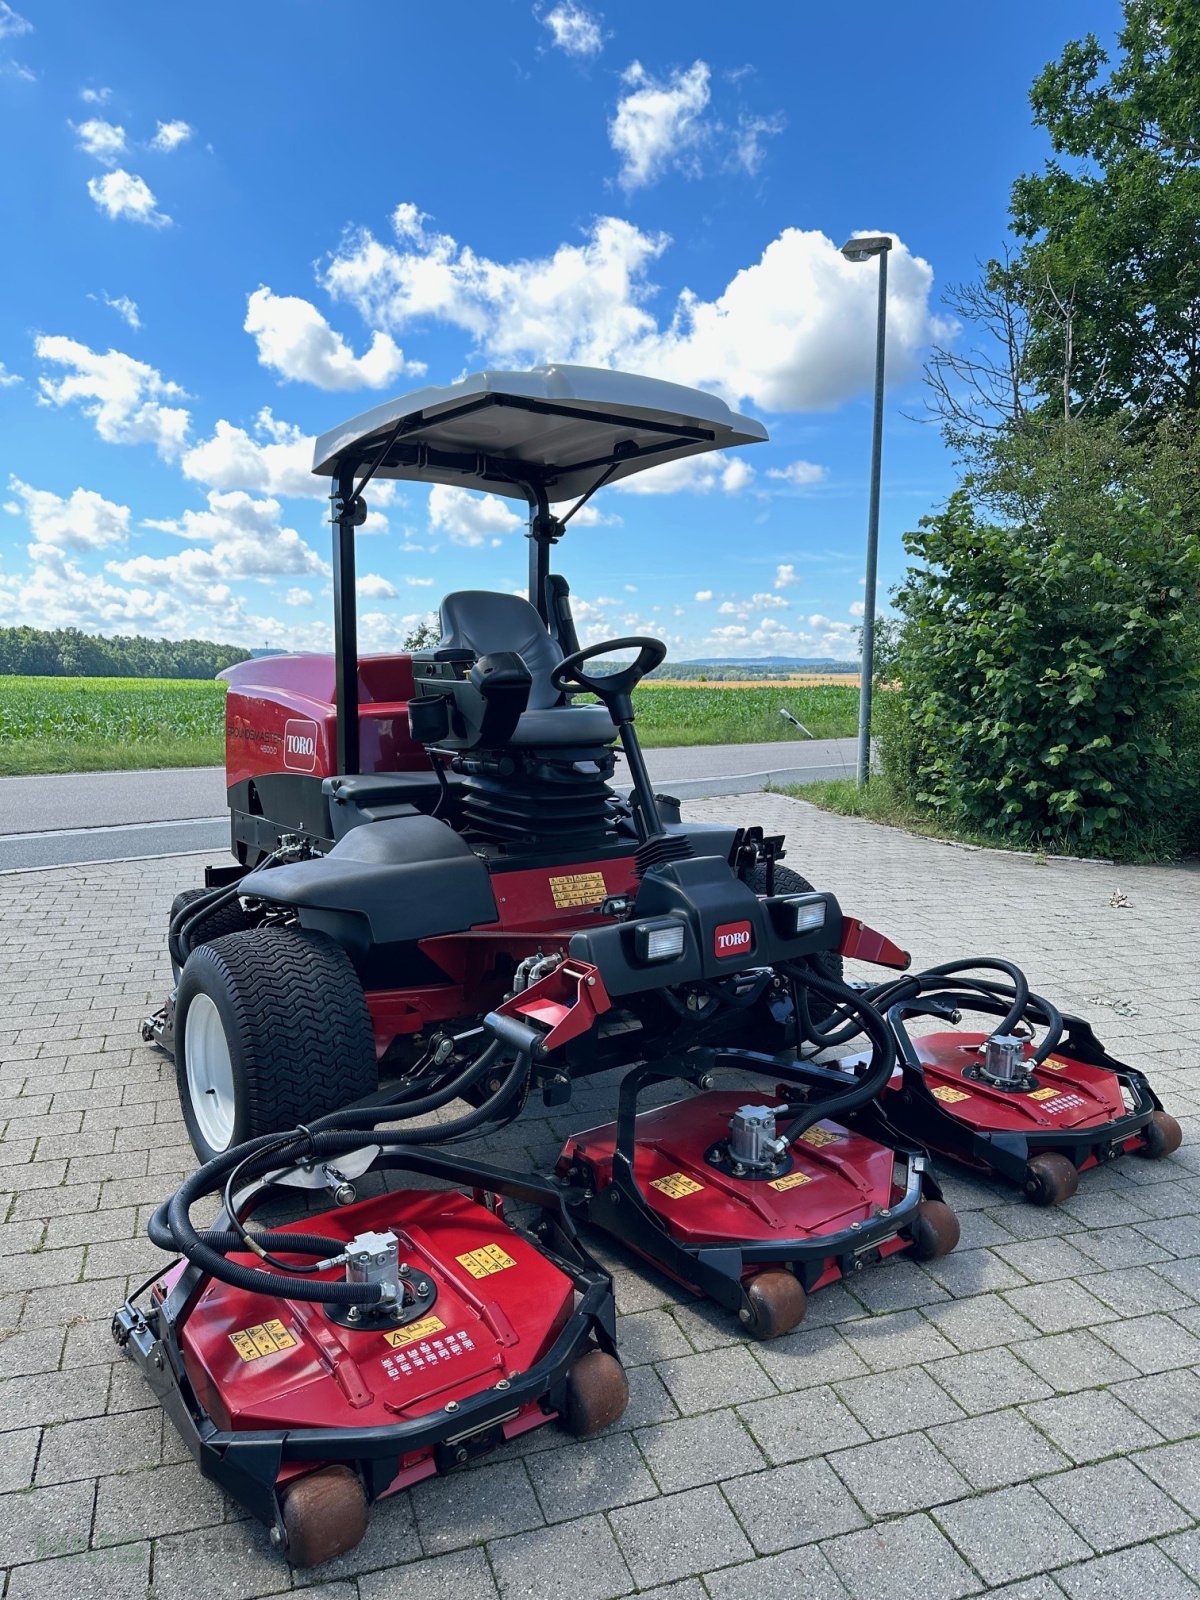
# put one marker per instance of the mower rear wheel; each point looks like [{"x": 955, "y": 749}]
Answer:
[
  {"x": 597, "y": 1394},
  {"x": 324, "y": 1515},
  {"x": 935, "y": 1232},
  {"x": 1050, "y": 1178},
  {"x": 778, "y": 1304},
  {"x": 271, "y": 1029},
  {"x": 1163, "y": 1136},
  {"x": 228, "y": 918}
]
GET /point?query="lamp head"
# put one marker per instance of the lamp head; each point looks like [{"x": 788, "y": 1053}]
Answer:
[{"x": 865, "y": 245}]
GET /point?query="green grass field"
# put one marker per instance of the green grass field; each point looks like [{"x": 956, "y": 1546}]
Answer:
[{"x": 108, "y": 724}]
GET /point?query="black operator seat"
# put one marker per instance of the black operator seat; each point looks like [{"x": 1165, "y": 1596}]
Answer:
[{"x": 484, "y": 622}]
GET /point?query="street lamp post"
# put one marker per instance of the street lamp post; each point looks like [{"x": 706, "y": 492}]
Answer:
[{"x": 862, "y": 249}]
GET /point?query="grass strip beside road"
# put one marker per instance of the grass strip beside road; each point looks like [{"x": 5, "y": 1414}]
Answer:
[{"x": 115, "y": 724}]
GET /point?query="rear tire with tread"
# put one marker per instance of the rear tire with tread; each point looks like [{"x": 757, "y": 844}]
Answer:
[
  {"x": 296, "y": 1025},
  {"x": 232, "y": 917}
]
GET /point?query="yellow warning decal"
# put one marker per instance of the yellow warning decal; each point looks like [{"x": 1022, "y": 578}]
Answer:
[
  {"x": 793, "y": 1180},
  {"x": 266, "y": 1339},
  {"x": 483, "y": 1262},
  {"x": 676, "y": 1184},
  {"x": 1052, "y": 1066},
  {"x": 1045, "y": 1094},
  {"x": 949, "y": 1095},
  {"x": 415, "y": 1331},
  {"x": 819, "y": 1136},
  {"x": 578, "y": 889}
]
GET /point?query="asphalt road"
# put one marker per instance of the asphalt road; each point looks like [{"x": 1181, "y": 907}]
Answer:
[{"x": 63, "y": 819}]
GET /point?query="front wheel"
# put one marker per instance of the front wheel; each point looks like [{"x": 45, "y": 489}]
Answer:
[{"x": 271, "y": 1029}]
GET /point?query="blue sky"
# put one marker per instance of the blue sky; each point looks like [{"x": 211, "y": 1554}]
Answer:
[{"x": 229, "y": 227}]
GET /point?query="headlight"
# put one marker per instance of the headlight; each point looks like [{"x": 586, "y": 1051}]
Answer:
[
  {"x": 658, "y": 941},
  {"x": 800, "y": 914}
]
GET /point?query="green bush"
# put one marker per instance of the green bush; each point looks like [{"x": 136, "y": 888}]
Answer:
[{"x": 1048, "y": 681}]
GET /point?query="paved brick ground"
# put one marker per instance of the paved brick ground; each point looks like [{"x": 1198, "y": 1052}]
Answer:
[{"x": 1023, "y": 1417}]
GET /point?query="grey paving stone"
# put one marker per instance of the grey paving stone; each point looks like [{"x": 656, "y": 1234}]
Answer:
[
  {"x": 979, "y": 1323},
  {"x": 1011, "y": 1533},
  {"x": 1153, "y": 1343},
  {"x": 1057, "y": 1307},
  {"x": 1182, "y": 1275},
  {"x": 1091, "y": 1425},
  {"x": 1119, "y": 1247},
  {"x": 468, "y": 1507},
  {"x": 42, "y": 1523},
  {"x": 716, "y": 1378},
  {"x": 1043, "y": 1588},
  {"x": 50, "y": 1397},
  {"x": 1184, "y": 1550},
  {"x": 1069, "y": 1361},
  {"x": 679, "y": 1535},
  {"x": 900, "y": 1339},
  {"x": 998, "y": 1448},
  {"x": 1175, "y": 1468},
  {"x": 579, "y": 1557},
  {"x": 1178, "y": 1236},
  {"x": 1143, "y": 1571},
  {"x": 1113, "y": 1504},
  {"x": 792, "y": 1505},
  {"x": 810, "y": 1422},
  {"x": 897, "y": 1402},
  {"x": 706, "y": 1326},
  {"x": 170, "y": 1499},
  {"x": 890, "y": 1476},
  {"x": 802, "y": 1574},
  {"x": 897, "y": 1285},
  {"x": 100, "y": 1444},
  {"x": 988, "y": 1380},
  {"x": 1045, "y": 1260},
  {"x": 684, "y": 1589},
  {"x": 591, "y": 1475},
  {"x": 232, "y": 1562},
  {"x": 1168, "y": 1401},
  {"x": 18, "y": 1452},
  {"x": 648, "y": 1401},
  {"x": 650, "y": 1336},
  {"x": 91, "y": 1575},
  {"x": 808, "y": 1357},
  {"x": 909, "y": 1559},
  {"x": 1133, "y": 1291},
  {"x": 704, "y": 1449}
]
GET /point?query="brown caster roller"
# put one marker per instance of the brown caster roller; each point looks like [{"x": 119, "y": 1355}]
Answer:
[
  {"x": 777, "y": 1304},
  {"x": 1050, "y": 1178},
  {"x": 324, "y": 1515},
  {"x": 935, "y": 1232},
  {"x": 597, "y": 1394},
  {"x": 1162, "y": 1135}
]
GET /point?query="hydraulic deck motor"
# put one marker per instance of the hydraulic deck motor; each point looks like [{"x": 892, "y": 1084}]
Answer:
[{"x": 753, "y": 1144}]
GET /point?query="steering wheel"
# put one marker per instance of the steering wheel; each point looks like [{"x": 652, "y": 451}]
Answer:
[{"x": 613, "y": 688}]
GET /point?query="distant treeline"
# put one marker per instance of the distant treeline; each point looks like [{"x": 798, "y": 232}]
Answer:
[
  {"x": 67, "y": 653},
  {"x": 736, "y": 671}
]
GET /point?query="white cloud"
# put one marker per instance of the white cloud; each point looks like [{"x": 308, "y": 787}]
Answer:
[
  {"x": 749, "y": 138},
  {"x": 769, "y": 602},
  {"x": 95, "y": 97},
  {"x": 799, "y": 473},
  {"x": 468, "y": 518},
  {"x": 856, "y": 608},
  {"x": 170, "y": 135},
  {"x": 793, "y": 331},
  {"x": 12, "y": 23},
  {"x": 231, "y": 459},
  {"x": 373, "y": 586},
  {"x": 7, "y": 378},
  {"x": 785, "y": 575},
  {"x": 298, "y": 597},
  {"x": 658, "y": 124},
  {"x": 690, "y": 474},
  {"x": 295, "y": 340},
  {"x": 125, "y": 308},
  {"x": 237, "y": 536},
  {"x": 419, "y": 583},
  {"x": 574, "y": 29},
  {"x": 103, "y": 140},
  {"x": 84, "y": 520},
  {"x": 122, "y": 194},
  {"x": 704, "y": 594},
  {"x": 124, "y": 398}
]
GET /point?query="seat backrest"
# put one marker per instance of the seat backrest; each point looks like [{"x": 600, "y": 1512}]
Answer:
[{"x": 483, "y": 621}]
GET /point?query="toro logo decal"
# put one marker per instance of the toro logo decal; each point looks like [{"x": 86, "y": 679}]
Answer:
[
  {"x": 300, "y": 745},
  {"x": 732, "y": 939}
]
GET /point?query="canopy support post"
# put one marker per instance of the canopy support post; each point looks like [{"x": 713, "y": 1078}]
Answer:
[
  {"x": 544, "y": 530},
  {"x": 347, "y": 512}
]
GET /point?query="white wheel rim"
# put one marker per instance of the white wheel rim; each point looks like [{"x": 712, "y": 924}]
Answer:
[{"x": 209, "y": 1073}]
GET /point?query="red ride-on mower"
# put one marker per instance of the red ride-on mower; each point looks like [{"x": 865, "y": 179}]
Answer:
[
  {"x": 322, "y": 1365},
  {"x": 432, "y": 862},
  {"x": 1036, "y": 1112}
]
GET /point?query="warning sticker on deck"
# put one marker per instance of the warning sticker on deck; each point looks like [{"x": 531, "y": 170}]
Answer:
[
  {"x": 1045, "y": 1094},
  {"x": 819, "y": 1136},
  {"x": 265, "y": 1339},
  {"x": 675, "y": 1185},
  {"x": 793, "y": 1180},
  {"x": 950, "y": 1096},
  {"x": 578, "y": 889},
  {"x": 483, "y": 1262},
  {"x": 414, "y": 1332}
]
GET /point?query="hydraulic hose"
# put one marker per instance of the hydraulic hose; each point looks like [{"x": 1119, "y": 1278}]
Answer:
[{"x": 879, "y": 1069}]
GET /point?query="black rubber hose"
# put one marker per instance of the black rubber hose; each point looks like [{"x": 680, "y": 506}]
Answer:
[{"x": 879, "y": 1070}]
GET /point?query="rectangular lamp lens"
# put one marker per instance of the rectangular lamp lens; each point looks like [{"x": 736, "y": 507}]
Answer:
[
  {"x": 662, "y": 944},
  {"x": 809, "y": 914}
]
